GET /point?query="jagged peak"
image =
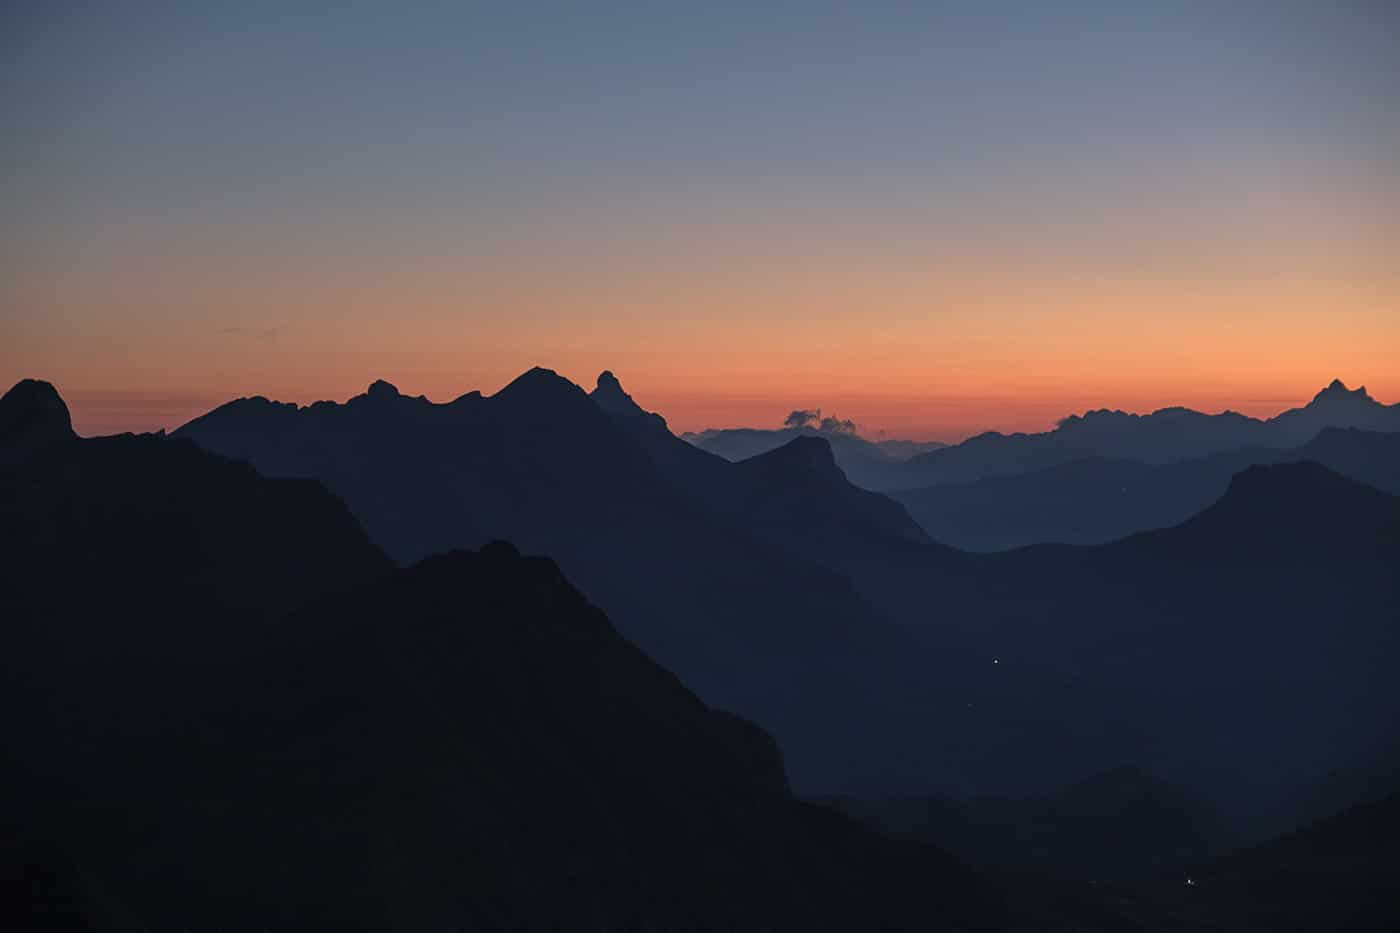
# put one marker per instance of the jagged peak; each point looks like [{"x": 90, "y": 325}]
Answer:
[
  {"x": 1337, "y": 390},
  {"x": 612, "y": 397}
]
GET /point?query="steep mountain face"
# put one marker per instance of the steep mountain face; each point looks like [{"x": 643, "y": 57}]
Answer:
[
  {"x": 699, "y": 473},
  {"x": 1096, "y": 500},
  {"x": 798, "y": 495},
  {"x": 1165, "y": 436},
  {"x": 795, "y": 496},
  {"x": 750, "y": 626},
  {"x": 245, "y": 712}
]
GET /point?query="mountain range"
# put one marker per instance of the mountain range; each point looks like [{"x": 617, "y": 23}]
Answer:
[
  {"x": 1098, "y": 499},
  {"x": 1164, "y": 436},
  {"x": 225, "y": 703},
  {"x": 776, "y": 588},
  {"x": 276, "y": 666}
]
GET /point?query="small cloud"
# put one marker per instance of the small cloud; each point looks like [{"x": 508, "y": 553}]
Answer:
[
  {"x": 833, "y": 425},
  {"x": 803, "y": 418}
]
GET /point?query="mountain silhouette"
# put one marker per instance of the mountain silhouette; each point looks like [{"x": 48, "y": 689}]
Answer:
[
  {"x": 648, "y": 527},
  {"x": 1098, "y": 499},
  {"x": 1164, "y": 436},
  {"x": 864, "y": 461},
  {"x": 245, "y": 711},
  {"x": 95, "y": 510},
  {"x": 795, "y": 496},
  {"x": 776, "y": 589},
  {"x": 1257, "y": 631}
]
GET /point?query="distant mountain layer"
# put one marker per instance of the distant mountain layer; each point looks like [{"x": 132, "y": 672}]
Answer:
[
  {"x": 229, "y": 704},
  {"x": 1164, "y": 436},
  {"x": 1259, "y": 630},
  {"x": 866, "y": 462},
  {"x": 1097, "y": 499}
]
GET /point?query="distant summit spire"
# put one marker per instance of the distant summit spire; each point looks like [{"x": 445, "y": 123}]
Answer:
[
  {"x": 1337, "y": 390},
  {"x": 612, "y": 397}
]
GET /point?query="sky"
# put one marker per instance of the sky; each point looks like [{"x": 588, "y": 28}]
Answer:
[{"x": 933, "y": 218}]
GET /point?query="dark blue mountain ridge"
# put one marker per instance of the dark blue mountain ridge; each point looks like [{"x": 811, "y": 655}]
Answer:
[
  {"x": 776, "y": 588},
  {"x": 1098, "y": 499},
  {"x": 1164, "y": 436}
]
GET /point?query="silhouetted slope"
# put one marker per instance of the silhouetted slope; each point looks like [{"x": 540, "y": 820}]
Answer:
[
  {"x": 750, "y": 626},
  {"x": 1119, "y": 824},
  {"x": 1291, "y": 512},
  {"x": 1369, "y": 457},
  {"x": 147, "y": 521},
  {"x": 798, "y": 495},
  {"x": 1259, "y": 631},
  {"x": 698, "y": 472},
  {"x": 1165, "y": 436},
  {"x": 1334, "y": 407},
  {"x": 466, "y": 744},
  {"x": 225, "y": 703},
  {"x": 866, "y": 462},
  {"x": 1097, "y": 500},
  {"x": 795, "y": 496},
  {"x": 1259, "y": 637}
]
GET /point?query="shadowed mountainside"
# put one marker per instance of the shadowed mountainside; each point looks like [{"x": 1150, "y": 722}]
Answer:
[
  {"x": 743, "y": 618},
  {"x": 795, "y": 496},
  {"x": 1250, "y": 637},
  {"x": 1260, "y": 630},
  {"x": 1096, "y": 500},
  {"x": 246, "y": 712}
]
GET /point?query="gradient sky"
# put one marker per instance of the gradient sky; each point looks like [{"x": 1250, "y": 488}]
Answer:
[{"x": 931, "y": 218}]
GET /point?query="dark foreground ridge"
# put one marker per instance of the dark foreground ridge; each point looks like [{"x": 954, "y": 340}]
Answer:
[{"x": 246, "y": 713}]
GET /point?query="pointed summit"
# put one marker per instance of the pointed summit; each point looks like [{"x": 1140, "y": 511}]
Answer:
[
  {"x": 612, "y": 398},
  {"x": 32, "y": 416},
  {"x": 1337, "y": 391}
]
